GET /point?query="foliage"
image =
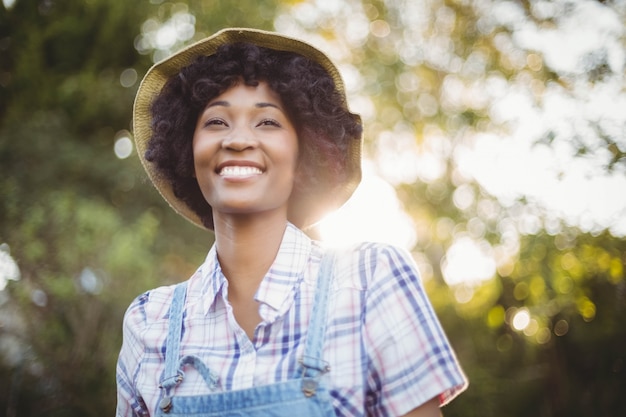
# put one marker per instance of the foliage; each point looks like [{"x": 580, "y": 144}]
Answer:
[
  {"x": 87, "y": 232},
  {"x": 543, "y": 334},
  {"x": 569, "y": 359}
]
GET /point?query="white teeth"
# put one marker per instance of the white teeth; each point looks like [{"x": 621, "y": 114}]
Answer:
[{"x": 239, "y": 171}]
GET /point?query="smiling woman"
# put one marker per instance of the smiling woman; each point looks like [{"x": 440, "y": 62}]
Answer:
[
  {"x": 328, "y": 134},
  {"x": 248, "y": 134}
]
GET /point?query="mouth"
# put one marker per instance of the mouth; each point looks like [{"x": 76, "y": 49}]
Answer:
[{"x": 239, "y": 171}]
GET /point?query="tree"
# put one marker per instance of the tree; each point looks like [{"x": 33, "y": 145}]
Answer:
[
  {"x": 87, "y": 232},
  {"x": 431, "y": 80}
]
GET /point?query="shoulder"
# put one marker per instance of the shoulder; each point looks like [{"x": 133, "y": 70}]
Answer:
[
  {"x": 369, "y": 264},
  {"x": 151, "y": 308},
  {"x": 373, "y": 254},
  {"x": 148, "y": 308},
  {"x": 409, "y": 357}
]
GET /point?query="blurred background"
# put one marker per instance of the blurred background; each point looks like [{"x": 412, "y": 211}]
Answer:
[{"x": 495, "y": 151}]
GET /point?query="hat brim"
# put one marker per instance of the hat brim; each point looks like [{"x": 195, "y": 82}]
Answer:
[{"x": 304, "y": 210}]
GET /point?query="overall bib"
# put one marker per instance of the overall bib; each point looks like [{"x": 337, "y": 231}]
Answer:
[{"x": 301, "y": 396}]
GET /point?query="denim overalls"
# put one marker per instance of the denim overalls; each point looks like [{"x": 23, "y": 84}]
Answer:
[{"x": 301, "y": 396}]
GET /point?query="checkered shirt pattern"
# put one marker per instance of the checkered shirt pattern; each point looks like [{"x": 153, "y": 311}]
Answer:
[{"x": 385, "y": 347}]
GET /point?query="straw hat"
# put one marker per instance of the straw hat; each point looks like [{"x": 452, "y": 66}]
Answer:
[{"x": 304, "y": 210}]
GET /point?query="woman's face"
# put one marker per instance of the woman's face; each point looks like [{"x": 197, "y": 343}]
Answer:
[{"x": 245, "y": 152}]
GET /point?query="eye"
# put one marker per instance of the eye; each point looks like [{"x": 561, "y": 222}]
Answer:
[
  {"x": 269, "y": 122},
  {"x": 215, "y": 122}
]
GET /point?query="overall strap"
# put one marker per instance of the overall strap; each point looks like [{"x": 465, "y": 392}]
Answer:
[
  {"x": 172, "y": 375},
  {"x": 312, "y": 362}
]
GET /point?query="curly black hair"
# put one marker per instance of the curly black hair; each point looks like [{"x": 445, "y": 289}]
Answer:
[{"x": 317, "y": 110}]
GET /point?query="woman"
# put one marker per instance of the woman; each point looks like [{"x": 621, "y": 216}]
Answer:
[{"x": 248, "y": 134}]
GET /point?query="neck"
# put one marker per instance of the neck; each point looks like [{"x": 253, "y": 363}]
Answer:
[{"x": 246, "y": 248}]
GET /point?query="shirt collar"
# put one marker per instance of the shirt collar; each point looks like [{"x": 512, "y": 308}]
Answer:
[
  {"x": 276, "y": 289},
  {"x": 212, "y": 280}
]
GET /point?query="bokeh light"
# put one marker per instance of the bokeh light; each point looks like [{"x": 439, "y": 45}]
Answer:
[
  {"x": 162, "y": 38},
  {"x": 561, "y": 327},
  {"x": 128, "y": 77},
  {"x": 521, "y": 319},
  {"x": 8, "y": 4},
  {"x": 123, "y": 146},
  {"x": 9, "y": 271}
]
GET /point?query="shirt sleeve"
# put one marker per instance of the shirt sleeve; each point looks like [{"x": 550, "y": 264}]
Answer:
[
  {"x": 129, "y": 403},
  {"x": 411, "y": 360}
]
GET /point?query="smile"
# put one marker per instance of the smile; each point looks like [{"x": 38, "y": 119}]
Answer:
[{"x": 239, "y": 171}]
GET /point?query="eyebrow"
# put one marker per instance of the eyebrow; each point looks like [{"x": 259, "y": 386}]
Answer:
[{"x": 260, "y": 105}]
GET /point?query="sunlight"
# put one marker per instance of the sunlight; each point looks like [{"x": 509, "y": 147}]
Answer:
[
  {"x": 373, "y": 213},
  {"x": 468, "y": 262},
  {"x": 575, "y": 189},
  {"x": 566, "y": 173}
]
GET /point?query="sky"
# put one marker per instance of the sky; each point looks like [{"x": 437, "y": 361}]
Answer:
[{"x": 577, "y": 189}]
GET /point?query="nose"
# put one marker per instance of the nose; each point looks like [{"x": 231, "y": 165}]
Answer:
[{"x": 239, "y": 139}]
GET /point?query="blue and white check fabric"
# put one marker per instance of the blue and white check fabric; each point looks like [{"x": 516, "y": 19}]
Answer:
[{"x": 385, "y": 348}]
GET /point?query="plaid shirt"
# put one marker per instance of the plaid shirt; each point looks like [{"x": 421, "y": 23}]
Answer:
[{"x": 385, "y": 347}]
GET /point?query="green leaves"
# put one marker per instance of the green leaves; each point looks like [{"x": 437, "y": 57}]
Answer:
[{"x": 431, "y": 78}]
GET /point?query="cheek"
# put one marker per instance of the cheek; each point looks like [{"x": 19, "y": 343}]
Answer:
[
  {"x": 203, "y": 152},
  {"x": 289, "y": 171},
  {"x": 202, "y": 160},
  {"x": 296, "y": 162},
  {"x": 295, "y": 155},
  {"x": 285, "y": 153}
]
